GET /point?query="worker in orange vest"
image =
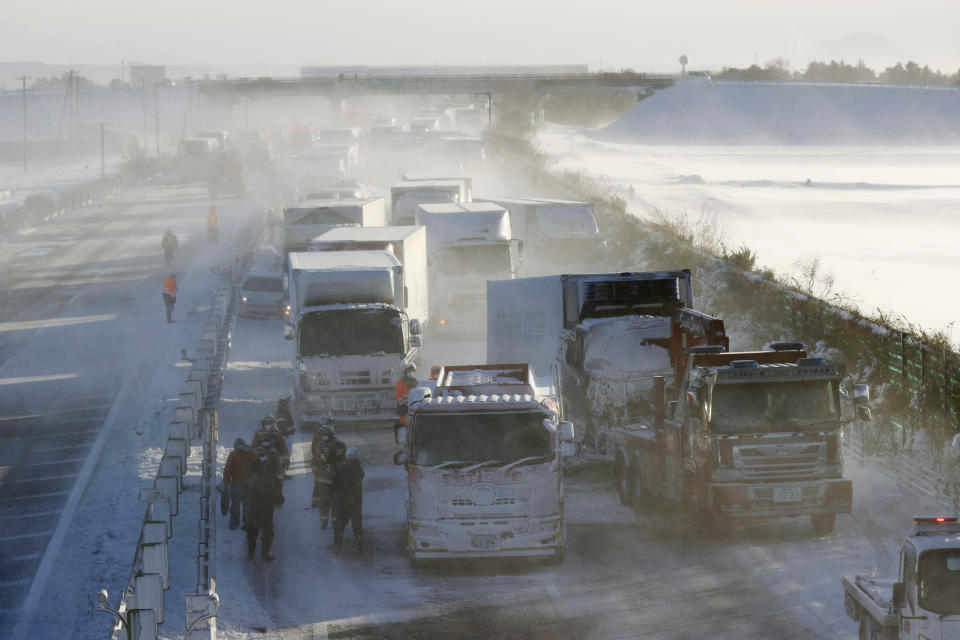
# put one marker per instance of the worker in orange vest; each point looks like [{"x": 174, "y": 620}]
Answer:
[
  {"x": 170, "y": 294},
  {"x": 406, "y": 382},
  {"x": 212, "y": 231}
]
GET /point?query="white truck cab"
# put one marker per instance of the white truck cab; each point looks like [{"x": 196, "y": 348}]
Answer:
[{"x": 923, "y": 603}]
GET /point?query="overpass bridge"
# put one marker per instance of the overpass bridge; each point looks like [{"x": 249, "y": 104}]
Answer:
[{"x": 343, "y": 86}]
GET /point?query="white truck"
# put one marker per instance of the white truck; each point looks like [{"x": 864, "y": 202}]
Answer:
[
  {"x": 923, "y": 603},
  {"x": 353, "y": 333},
  {"x": 407, "y": 244},
  {"x": 554, "y": 235},
  {"x": 483, "y": 453},
  {"x": 407, "y": 194},
  {"x": 310, "y": 218},
  {"x": 467, "y": 244}
]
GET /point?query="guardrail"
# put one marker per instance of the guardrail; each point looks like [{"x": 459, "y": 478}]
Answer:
[
  {"x": 196, "y": 420},
  {"x": 913, "y": 471}
]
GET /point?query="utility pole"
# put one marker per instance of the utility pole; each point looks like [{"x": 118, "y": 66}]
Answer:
[
  {"x": 101, "y": 152},
  {"x": 156, "y": 99},
  {"x": 23, "y": 79},
  {"x": 143, "y": 97}
]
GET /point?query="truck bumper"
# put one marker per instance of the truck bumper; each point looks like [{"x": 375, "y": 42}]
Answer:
[
  {"x": 375, "y": 405},
  {"x": 771, "y": 500},
  {"x": 495, "y": 538}
]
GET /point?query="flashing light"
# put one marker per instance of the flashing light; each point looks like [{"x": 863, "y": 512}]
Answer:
[
  {"x": 442, "y": 321},
  {"x": 934, "y": 519},
  {"x": 744, "y": 364},
  {"x": 787, "y": 346}
]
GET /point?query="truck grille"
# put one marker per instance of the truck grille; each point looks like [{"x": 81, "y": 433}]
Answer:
[
  {"x": 787, "y": 460},
  {"x": 354, "y": 378},
  {"x": 467, "y": 502},
  {"x": 346, "y": 404}
]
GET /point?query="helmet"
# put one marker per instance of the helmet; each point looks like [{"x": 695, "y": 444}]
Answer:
[
  {"x": 410, "y": 368},
  {"x": 352, "y": 453},
  {"x": 267, "y": 421},
  {"x": 238, "y": 443}
]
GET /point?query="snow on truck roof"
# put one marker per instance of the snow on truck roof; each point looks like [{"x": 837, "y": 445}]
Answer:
[
  {"x": 338, "y": 260},
  {"x": 461, "y": 207},
  {"x": 368, "y": 234},
  {"x": 423, "y": 185}
]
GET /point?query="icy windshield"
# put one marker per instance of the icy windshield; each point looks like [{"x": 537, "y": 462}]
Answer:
[
  {"x": 479, "y": 437},
  {"x": 485, "y": 259},
  {"x": 939, "y": 581},
  {"x": 775, "y": 406},
  {"x": 262, "y": 283},
  {"x": 351, "y": 332}
]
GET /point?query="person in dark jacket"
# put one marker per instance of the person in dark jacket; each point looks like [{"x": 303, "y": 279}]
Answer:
[
  {"x": 266, "y": 493},
  {"x": 326, "y": 454},
  {"x": 348, "y": 500},
  {"x": 268, "y": 432},
  {"x": 235, "y": 481},
  {"x": 169, "y": 244}
]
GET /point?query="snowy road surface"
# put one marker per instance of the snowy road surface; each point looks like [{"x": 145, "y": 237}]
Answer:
[
  {"x": 646, "y": 574},
  {"x": 86, "y": 358}
]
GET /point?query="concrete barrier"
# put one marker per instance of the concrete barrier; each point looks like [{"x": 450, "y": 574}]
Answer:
[
  {"x": 153, "y": 559},
  {"x": 148, "y": 591}
]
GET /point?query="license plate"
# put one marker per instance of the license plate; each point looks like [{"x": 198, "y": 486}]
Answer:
[
  {"x": 483, "y": 541},
  {"x": 787, "y": 494}
]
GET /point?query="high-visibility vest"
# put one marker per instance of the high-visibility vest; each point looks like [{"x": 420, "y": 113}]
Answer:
[
  {"x": 212, "y": 217},
  {"x": 170, "y": 286}
]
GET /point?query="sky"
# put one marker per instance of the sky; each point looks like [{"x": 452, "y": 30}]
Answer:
[{"x": 607, "y": 34}]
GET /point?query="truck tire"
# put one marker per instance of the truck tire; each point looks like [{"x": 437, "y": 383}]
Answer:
[{"x": 823, "y": 523}]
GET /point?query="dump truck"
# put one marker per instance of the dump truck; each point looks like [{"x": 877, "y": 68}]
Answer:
[
  {"x": 467, "y": 244},
  {"x": 750, "y": 435},
  {"x": 305, "y": 221},
  {"x": 923, "y": 602},
  {"x": 483, "y": 448},
  {"x": 353, "y": 334},
  {"x": 604, "y": 336}
]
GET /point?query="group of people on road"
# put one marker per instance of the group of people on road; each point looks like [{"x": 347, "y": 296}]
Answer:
[{"x": 253, "y": 477}]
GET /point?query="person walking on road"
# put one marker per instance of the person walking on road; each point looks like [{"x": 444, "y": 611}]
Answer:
[
  {"x": 348, "y": 500},
  {"x": 236, "y": 481},
  {"x": 406, "y": 382},
  {"x": 170, "y": 295},
  {"x": 268, "y": 432},
  {"x": 266, "y": 494},
  {"x": 326, "y": 454},
  {"x": 169, "y": 244}
]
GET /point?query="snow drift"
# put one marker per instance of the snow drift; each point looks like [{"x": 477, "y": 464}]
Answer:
[{"x": 706, "y": 112}]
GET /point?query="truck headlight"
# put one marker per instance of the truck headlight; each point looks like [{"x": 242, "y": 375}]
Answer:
[
  {"x": 243, "y": 298},
  {"x": 322, "y": 379},
  {"x": 386, "y": 376}
]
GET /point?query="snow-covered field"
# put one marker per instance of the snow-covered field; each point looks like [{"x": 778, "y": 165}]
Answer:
[{"x": 881, "y": 219}]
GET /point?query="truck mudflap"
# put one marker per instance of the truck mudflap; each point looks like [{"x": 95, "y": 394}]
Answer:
[
  {"x": 486, "y": 538},
  {"x": 756, "y": 500}
]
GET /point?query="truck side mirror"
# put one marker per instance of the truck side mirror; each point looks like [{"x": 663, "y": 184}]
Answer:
[
  {"x": 416, "y": 341},
  {"x": 565, "y": 431},
  {"x": 400, "y": 433},
  {"x": 415, "y": 327},
  {"x": 864, "y": 414},
  {"x": 899, "y": 595},
  {"x": 568, "y": 449},
  {"x": 861, "y": 395},
  {"x": 288, "y": 332},
  {"x": 400, "y": 458}
]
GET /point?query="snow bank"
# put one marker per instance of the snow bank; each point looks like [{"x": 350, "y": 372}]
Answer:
[{"x": 698, "y": 111}]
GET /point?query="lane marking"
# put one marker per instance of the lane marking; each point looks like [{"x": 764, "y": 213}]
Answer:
[
  {"x": 47, "y": 564},
  {"x": 63, "y": 477},
  {"x": 36, "y": 495},
  {"x": 38, "y": 514},
  {"x": 54, "y": 322},
  {"x": 22, "y": 536}
]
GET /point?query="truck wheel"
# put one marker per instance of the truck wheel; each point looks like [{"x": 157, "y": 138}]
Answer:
[{"x": 823, "y": 523}]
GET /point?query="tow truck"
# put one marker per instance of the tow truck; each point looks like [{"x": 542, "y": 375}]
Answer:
[{"x": 923, "y": 603}]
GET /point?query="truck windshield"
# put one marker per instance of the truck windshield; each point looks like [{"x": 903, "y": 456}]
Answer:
[
  {"x": 262, "y": 283},
  {"x": 351, "y": 332},
  {"x": 774, "y": 406},
  {"x": 939, "y": 581},
  {"x": 477, "y": 437},
  {"x": 484, "y": 259}
]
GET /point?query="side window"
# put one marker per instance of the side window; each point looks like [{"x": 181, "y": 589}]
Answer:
[{"x": 910, "y": 575}]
